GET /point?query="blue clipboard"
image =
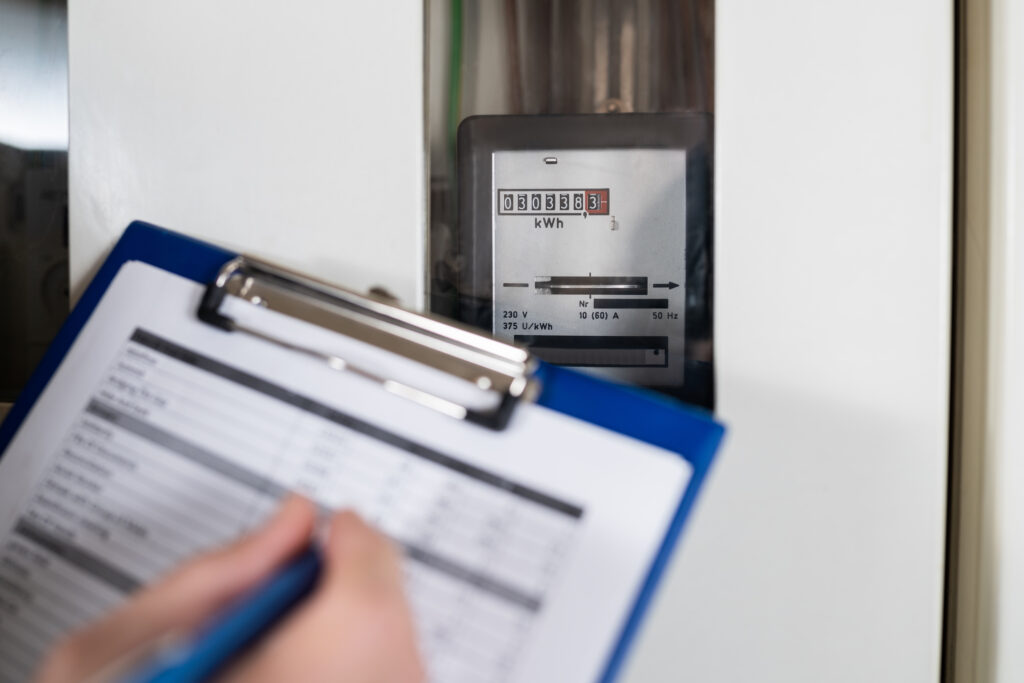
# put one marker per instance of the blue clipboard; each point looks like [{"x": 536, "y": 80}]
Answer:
[{"x": 642, "y": 415}]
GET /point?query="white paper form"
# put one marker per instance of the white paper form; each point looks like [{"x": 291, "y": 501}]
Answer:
[{"x": 160, "y": 436}]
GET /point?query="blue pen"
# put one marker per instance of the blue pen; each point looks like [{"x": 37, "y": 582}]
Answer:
[{"x": 238, "y": 627}]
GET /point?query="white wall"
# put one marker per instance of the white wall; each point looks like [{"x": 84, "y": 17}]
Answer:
[
  {"x": 291, "y": 130},
  {"x": 816, "y": 553}
]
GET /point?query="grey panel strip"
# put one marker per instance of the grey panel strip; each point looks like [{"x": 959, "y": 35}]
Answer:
[
  {"x": 84, "y": 560},
  {"x": 481, "y": 581},
  {"x": 186, "y": 449}
]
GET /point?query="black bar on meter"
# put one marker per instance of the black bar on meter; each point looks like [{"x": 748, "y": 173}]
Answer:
[
  {"x": 630, "y": 303},
  {"x": 574, "y": 285},
  {"x": 598, "y": 351}
]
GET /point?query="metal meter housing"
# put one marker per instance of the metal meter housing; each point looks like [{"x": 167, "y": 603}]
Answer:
[{"x": 588, "y": 238}]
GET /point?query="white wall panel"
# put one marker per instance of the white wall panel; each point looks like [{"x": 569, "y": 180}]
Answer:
[
  {"x": 292, "y": 130},
  {"x": 817, "y": 550}
]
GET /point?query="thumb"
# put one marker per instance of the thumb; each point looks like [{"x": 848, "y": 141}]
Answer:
[
  {"x": 358, "y": 560},
  {"x": 356, "y": 626}
]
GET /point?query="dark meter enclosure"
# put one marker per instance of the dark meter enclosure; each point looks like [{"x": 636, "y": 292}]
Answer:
[{"x": 588, "y": 238}]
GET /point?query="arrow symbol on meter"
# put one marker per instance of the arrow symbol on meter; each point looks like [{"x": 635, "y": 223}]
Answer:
[{"x": 668, "y": 285}]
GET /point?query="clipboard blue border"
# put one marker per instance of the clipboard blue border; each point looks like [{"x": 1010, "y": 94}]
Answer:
[{"x": 660, "y": 421}]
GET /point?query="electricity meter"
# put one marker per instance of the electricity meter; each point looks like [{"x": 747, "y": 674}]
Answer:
[{"x": 588, "y": 239}]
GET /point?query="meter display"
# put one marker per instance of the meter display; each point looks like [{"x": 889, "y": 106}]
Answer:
[
  {"x": 587, "y": 239},
  {"x": 589, "y": 251}
]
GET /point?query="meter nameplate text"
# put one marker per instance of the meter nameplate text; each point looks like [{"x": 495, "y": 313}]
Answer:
[{"x": 589, "y": 259}]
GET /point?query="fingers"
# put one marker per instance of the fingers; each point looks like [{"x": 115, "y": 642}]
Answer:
[
  {"x": 211, "y": 580},
  {"x": 187, "y": 596},
  {"x": 356, "y": 627},
  {"x": 359, "y": 560}
]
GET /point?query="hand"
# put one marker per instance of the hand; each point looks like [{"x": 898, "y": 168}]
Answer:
[{"x": 355, "y": 627}]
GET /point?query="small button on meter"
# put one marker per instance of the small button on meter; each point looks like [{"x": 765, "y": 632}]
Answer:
[{"x": 588, "y": 239}]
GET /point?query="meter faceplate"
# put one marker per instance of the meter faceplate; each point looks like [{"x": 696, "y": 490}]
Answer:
[
  {"x": 588, "y": 238},
  {"x": 589, "y": 251}
]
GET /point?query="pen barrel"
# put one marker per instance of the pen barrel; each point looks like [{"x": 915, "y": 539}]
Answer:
[{"x": 238, "y": 627}]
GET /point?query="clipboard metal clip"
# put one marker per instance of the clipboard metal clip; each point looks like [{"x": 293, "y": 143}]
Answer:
[{"x": 492, "y": 366}]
